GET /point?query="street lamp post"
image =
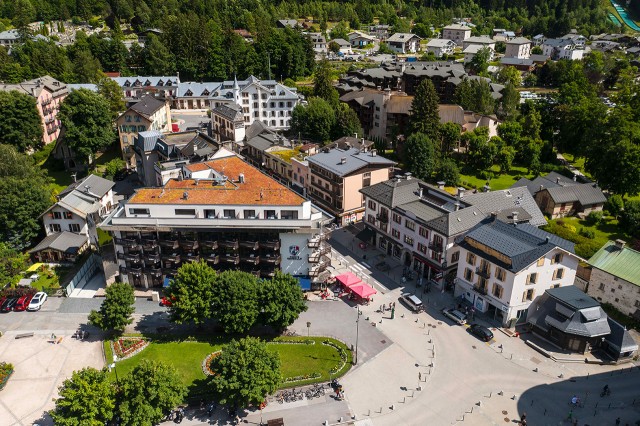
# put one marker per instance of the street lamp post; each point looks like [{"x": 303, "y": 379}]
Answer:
[
  {"x": 357, "y": 333},
  {"x": 115, "y": 359}
]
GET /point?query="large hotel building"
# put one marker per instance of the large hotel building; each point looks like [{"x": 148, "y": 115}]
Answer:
[{"x": 225, "y": 212}]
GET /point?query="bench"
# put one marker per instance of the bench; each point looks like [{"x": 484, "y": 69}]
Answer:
[{"x": 22, "y": 335}]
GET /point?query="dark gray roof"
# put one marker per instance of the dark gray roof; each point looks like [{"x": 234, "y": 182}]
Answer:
[
  {"x": 523, "y": 244},
  {"x": 620, "y": 338},
  {"x": 516, "y": 61},
  {"x": 507, "y": 199},
  {"x": 264, "y": 141},
  {"x": 393, "y": 192},
  {"x": 66, "y": 242},
  {"x": 354, "y": 160},
  {"x": 552, "y": 180},
  {"x": 231, "y": 112},
  {"x": 586, "y": 194},
  {"x": 570, "y": 311},
  {"x": 509, "y": 217},
  {"x": 97, "y": 185},
  {"x": 456, "y": 222},
  {"x": 539, "y": 57},
  {"x": 147, "y": 106}
]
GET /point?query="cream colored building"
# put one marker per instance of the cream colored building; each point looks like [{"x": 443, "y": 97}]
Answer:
[
  {"x": 147, "y": 114},
  {"x": 338, "y": 175},
  {"x": 518, "y": 47},
  {"x": 615, "y": 277},
  {"x": 456, "y": 32}
]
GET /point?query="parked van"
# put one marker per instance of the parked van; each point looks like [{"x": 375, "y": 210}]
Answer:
[{"x": 412, "y": 302}]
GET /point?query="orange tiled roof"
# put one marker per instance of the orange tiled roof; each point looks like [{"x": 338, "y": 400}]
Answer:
[{"x": 257, "y": 189}]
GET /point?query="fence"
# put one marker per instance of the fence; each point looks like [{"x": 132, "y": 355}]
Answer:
[{"x": 91, "y": 266}]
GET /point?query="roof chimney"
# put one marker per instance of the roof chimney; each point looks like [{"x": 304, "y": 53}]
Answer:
[
  {"x": 557, "y": 180},
  {"x": 494, "y": 215},
  {"x": 547, "y": 239},
  {"x": 241, "y": 178},
  {"x": 457, "y": 205},
  {"x": 575, "y": 177},
  {"x": 343, "y": 160},
  {"x": 460, "y": 192},
  {"x": 620, "y": 244},
  {"x": 407, "y": 176},
  {"x": 420, "y": 192},
  {"x": 185, "y": 195},
  {"x": 541, "y": 187},
  {"x": 373, "y": 152},
  {"x": 514, "y": 215}
]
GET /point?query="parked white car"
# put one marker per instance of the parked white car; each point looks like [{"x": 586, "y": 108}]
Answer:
[
  {"x": 37, "y": 301},
  {"x": 455, "y": 315}
]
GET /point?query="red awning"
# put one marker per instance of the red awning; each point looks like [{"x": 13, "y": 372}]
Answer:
[
  {"x": 363, "y": 290},
  {"x": 348, "y": 279}
]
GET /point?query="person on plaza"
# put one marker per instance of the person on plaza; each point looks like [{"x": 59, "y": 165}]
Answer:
[
  {"x": 419, "y": 376},
  {"x": 618, "y": 421},
  {"x": 575, "y": 400}
]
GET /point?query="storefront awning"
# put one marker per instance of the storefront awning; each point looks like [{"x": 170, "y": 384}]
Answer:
[
  {"x": 348, "y": 279},
  {"x": 427, "y": 262},
  {"x": 363, "y": 290}
]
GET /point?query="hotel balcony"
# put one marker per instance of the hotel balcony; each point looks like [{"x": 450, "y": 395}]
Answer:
[
  {"x": 230, "y": 259},
  {"x": 155, "y": 272},
  {"x": 127, "y": 242},
  {"x": 230, "y": 244},
  {"x": 191, "y": 258},
  {"x": 188, "y": 244},
  {"x": 131, "y": 257},
  {"x": 317, "y": 240},
  {"x": 270, "y": 244},
  {"x": 172, "y": 257},
  {"x": 321, "y": 250},
  {"x": 483, "y": 272},
  {"x": 267, "y": 273},
  {"x": 149, "y": 243},
  {"x": 436, "y": 247},
  {"x": 212, "y": 259},
  {"x": 254, "y": 260},
  {"x": 209, "y": 244},
  {"x": 253, "y": 245},
  {"x": 133, "y": 270},
  {"x": 272, "y": 259},
  {"x": 170, "y": 244}
]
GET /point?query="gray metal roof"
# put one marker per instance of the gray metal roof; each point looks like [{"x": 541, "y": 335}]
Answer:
[
  {"x": 197, "y": 89},
  {"x": 354, "y": 160},
  {"x": 97, "y": 185},
  {"x": 586, "y": 194},
  {"x": 146, "y": 141},
  {"x": 66, "y": 242},
  {"x": 620, "y": 338},
  {"x": 516, "y": 61},
  {"x": 523, "y": 244},
  {"x": 393, "y": 192},
  {"x": 564, "y": 311},
  {"x": 518, "y": 40},
  {"x": 402, "y": 37},
  {"x": 147, "y": 105},
  {"x": 507, "y": 199},
  {"x": 229, "y": 111},
  {"x": 263, "y": 141},
  {"x": 457, "y": 222},
  {"x": 141, "y": 81}
]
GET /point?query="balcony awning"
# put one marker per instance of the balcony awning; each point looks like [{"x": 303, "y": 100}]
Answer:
[
  {"x": 363, "y": 290},
  {"x": 348, "y": 279}
]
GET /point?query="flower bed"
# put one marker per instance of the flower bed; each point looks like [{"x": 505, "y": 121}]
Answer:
[
  {"x": 343, "y": 356},
  {"x": 315, "y": 375},
  {"x": 206, "y": 364},
  {"x": 292, "y": 342},
  {"x": 126, "y": 347},
  {"x": 6, "y": 370}
]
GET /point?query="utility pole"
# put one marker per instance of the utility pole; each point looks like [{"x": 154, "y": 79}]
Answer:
[{"x": 357, "y": 333}]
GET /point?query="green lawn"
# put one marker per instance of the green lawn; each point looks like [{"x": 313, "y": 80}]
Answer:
[
  {"x": 569, "y": 229},
  {"x": 104, "y": 237},
  {"x": 499, "y": 181},
  {"x": 187, "y": 357}
]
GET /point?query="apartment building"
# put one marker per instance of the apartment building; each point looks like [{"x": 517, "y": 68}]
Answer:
[
  {"x": 251, "y": 100},
  {"x": 192, "y": 95},
  {"x": 503, "y": 267},
  {"x": 146, "y": 114},
  {"x": 418, "y": 223},
  {"x": 49, "y": 94},
  {"x": 482, "y": 41},
  {"x": 225, "y": 212},
  {"x": 456, "y": 32},
  {"x": 71, "y": 223},
  {"x": 318, "y": 42},
  {"x": 441, "y": 46},
  {"x": 337, "y": 175},
  {"x": 404, "y": 43},
  {"x": 519, "y": 47},
  {"x": 563, "y": 48}
]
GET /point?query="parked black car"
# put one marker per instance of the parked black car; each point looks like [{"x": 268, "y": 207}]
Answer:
[
  {"x": 481, "y": 331},
  {"x": 8, "y": 304}
]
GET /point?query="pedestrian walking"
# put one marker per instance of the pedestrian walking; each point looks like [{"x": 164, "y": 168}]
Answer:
[
  {"x": 618, "y": 421},
  {"x": 523, "y": 419},
  {"x": 419, "y": 376}
]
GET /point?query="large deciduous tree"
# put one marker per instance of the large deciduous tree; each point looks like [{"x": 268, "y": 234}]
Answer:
[
  {"x": 191, "y": 293},
  {"x": 86, "y": 119},
  {"x": 12, "y": 263},
  {"x": 281, "y": 300},
  {"x": 112, "y": 92},
  {"x": 24, "y": 195},
  {"x": 347, "y": 122},
  {"x": 314, "y": 120},
  {"x": 20, "y": 124},
  {"x": 116, "y": 309},
  {"x": 86, "y": 399},
  {"x": 235, "y": 301},
  {"x": 246, "y": 372},
  {"x": 150, "y": 391},
  {"x": 424, "y": 111},
  {"x": 420, "y": 156},
  {"x": 323, "y": 84}
]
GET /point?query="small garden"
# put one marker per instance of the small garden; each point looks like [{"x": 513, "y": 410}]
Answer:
[
  {"x": 588, "y": 234},
  {"x": 303, "y": 360}
]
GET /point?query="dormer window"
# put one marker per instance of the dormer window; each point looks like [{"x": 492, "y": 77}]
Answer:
[
  {"x": 147, "y": 83},
  {"x": 205, "y": 93},
  {"x": 137, "y": 83},
  {"x": 189, "y": 93},
  {"x": 160, "y": 83},
  {"x": 169, "y": 83},
  {"x": 127, "y": 84}
]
